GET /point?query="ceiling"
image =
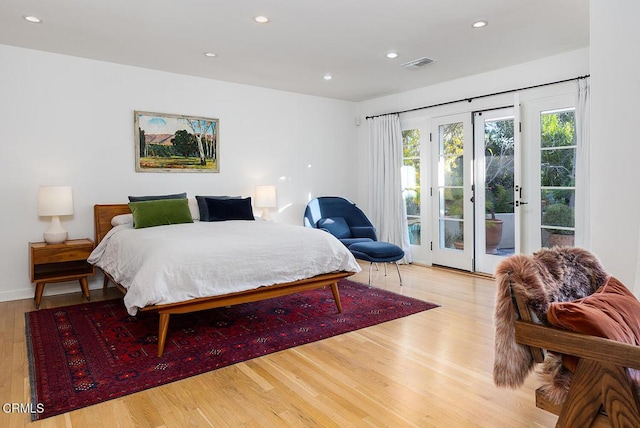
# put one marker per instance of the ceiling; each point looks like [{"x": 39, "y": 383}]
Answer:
[{"x": 304, "y": 39}]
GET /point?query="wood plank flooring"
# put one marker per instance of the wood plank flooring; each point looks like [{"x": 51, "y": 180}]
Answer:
[{"x": 431, "y": 369}]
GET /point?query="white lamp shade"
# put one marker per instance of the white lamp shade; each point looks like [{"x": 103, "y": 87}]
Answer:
[
  {"x": 55, "y": 200},
  {"x": 266, "y": 197}
]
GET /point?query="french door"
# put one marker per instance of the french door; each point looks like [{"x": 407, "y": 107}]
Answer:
[
  {"x": 498, "y": 187},
  {"x": 452, "y": 192},
  {"x": 477, "y": 189}
]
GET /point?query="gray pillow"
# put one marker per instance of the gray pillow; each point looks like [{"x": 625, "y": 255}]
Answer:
[{"x": 157, "y": 197}]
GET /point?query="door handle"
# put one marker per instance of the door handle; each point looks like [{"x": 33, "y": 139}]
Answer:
[{"x": 518, "y": 203}]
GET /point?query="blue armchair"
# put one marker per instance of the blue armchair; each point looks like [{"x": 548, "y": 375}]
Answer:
[{"x": 341, "y": 218}]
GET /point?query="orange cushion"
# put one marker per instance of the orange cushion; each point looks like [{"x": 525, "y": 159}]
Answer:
[{"x": 612, "y": 312}]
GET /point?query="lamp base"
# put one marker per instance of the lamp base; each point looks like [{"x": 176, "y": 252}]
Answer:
[
  {"x": 55, "y": 234},
  {"x": 265, "y": 214}
]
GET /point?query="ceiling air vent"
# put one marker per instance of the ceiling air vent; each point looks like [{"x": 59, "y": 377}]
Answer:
[{"x": 417, "y": 63}]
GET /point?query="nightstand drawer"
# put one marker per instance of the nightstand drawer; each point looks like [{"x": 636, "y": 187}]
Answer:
[{"x": 55, "y": 253}]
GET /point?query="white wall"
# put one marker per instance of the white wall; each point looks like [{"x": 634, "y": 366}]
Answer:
[
  {"x": 564, "y": 66},
  {"x": 67, "y": 120},
  {"x": 615, "y": 90}
]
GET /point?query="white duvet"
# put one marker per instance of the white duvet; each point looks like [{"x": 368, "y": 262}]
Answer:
[{"x": 175, "y": 263}]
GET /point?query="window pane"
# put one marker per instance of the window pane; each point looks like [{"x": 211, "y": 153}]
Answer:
[
  {"x": 411, "y": 143},
  {"x": 558, "y": 196},
  {"x": 452, "y": 201},
  {"x": 451, "y": 138},
  {"x": 451, "y": 234},
  {"x": 558, "y": 222},
  {"x": 411, "y": 182},
  {"x": 453, "y": 170},
  {"x": 558, "y": 128},
  {"x": 557, "y": 168},
  {"x": 498, "y": 158},
  {"x": 557, "y": 177}
]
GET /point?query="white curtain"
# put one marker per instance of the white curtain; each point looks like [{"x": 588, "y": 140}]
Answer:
[
  {"x": 388, "y": 211},
  {"x": 583, "y": 165}
]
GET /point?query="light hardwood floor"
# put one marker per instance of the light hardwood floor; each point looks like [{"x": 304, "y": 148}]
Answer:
[{"x": 431, "y": 369}]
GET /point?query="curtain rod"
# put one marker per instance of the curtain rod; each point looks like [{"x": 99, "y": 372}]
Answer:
[{"x": 480, "y": 96}]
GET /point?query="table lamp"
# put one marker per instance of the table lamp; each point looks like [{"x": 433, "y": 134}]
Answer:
[
  {"x": 55, "y": 201},
  {"x": 265, "y": 199}
]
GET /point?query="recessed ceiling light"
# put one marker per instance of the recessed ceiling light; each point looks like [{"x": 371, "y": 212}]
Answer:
[
  {"x": 261, "y": 19},
  {"x": 327, "y": 77},
  {"x": 33, "y": 19},
  {"x": 479, "y": 24},
  {"x": 392, "y": 55},
  {"x": 210, "y": 54}
]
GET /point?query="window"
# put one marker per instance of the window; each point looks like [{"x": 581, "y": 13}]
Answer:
[
  {"x": 411, "y": 182},
  {"x": 557, "y": 176}
]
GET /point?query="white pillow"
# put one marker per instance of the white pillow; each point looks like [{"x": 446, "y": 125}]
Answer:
[
  {"x": 193, "y": 207},
  {"x": 122, "y": 219}
]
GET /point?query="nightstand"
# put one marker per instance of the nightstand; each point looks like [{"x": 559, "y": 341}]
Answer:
[{"x": 60, "y": 263}]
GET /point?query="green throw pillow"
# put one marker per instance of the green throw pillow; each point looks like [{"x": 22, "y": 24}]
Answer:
[{"x": 160, "y": 212}]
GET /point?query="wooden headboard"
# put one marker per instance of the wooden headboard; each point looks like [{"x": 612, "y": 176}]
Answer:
[{"x": 102, "y": 215}]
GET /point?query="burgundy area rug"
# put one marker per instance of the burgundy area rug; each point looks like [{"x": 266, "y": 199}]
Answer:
[{"x": 85, "y": 354}]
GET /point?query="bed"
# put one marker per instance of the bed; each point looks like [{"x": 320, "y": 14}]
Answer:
[{"x": 185, "y": 288}]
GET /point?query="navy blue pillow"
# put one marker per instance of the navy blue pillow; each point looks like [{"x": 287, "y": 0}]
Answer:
[
  {"x": 229, "y": 209},
  {"x": 157, "y": 197},
  {"x": 202, "y": 205}
]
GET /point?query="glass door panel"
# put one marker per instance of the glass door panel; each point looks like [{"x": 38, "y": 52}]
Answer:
[
  {"x": 410, "y": 178},
  {"x": 557, "y": 177},
  {"x": 453, "y": 208},
  {"x": 495, "y": 145}
]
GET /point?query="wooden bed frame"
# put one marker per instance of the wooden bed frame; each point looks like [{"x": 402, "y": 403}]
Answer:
[{"x": 102, "y": 218}]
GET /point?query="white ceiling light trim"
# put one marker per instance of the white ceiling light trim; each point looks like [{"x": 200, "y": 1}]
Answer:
[
  {"x": 32, "y": 19},
  {"x": 261, "y": 19},
  {"x": 210, "y": 54},
  {"x": 327, "y": 77},
  {"x": 392, "y": 55},
  {"x": 480, "y": 24}
]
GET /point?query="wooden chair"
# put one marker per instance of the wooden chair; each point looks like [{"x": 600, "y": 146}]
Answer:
[{"x": 601, "y": 392}]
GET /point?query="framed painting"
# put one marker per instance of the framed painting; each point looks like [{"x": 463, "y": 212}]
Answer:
[{"x": 176, "y": 143}]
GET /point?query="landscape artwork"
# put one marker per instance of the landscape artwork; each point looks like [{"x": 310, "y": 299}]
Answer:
[{"x": 176, "y": 143}]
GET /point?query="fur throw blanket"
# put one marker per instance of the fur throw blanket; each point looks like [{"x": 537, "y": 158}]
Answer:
[{"x": 559, "y": 274}]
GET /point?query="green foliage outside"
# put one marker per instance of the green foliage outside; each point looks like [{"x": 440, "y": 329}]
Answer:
[
  {"x": 498, "y": 155},
  {"x": 557, "y": 171},
  {"x": 559, "y": 215},
  {"x": 411, "y": 155},
  {"x": 411, "y": 158},
  {"x": 558, "y": 141},
  {"x": 451, "y": 152}
]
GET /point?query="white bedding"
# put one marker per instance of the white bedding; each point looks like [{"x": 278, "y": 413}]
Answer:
[{"x": 175, "y": 263}]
